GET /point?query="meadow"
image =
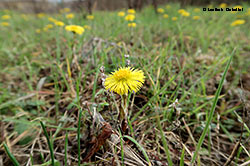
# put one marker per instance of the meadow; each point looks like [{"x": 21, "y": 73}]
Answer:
[{"x": 187, "y": 102}]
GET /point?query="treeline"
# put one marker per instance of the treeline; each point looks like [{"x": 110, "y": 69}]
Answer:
[{"x": 90, "y": 5}]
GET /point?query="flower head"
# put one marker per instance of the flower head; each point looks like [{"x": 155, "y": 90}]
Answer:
[
  {"x": 121, "y": 14},
  {"x": 49, "y": 26},
  {"x": 181, "y": 11},
  {"x": 70, "y": 16},
  {"x": 5, "y": 24},
  {"x": 40, "y": 15},
  {"x": 90, "y": 17},
  {"x": 75, "y": 28},
  {"x": 133, "y": 24},
  {"x": 131, "y": 11},
  {"x": 238, "y": 22},
  {"x": 165, "y": 16},
  {"x": 223, "y": 5},
  {"x": 197, "y": 10},
  {"x": 196, "y": 17},
  {"x": 38, "y": 30},
  {"x": 87, "y": 27},
  {"x": 174, "y": 18},
  {"x": 238, "y": 6},
  {"x": 130, "y": 17},
  {"x": 125, "y": 79},
  {"x": 6, "y": 17},
  {"x": 66, "y": 10},
  {"x": 160, "y": 10},
  {"x": 59, "y": 23},
  {"x": 52, "y": 19},
  {"x": 185, "y": 14}
]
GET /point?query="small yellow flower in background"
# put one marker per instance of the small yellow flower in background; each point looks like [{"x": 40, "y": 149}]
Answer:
[
  {"x": 223, "y": 5},
  {"x": 197, "y": 10},
  {"x": 131, "y": 11},
  {"x": 238, "y": 6},
  {"x": 160, "y": 10},
  {"x": 5, "y": 24},
  {"x": 238, "y": 22},
  {"x": 6, "y": 17},
  {"x": 52, "y": 19},
  {"x": 165, "y": 16},
  {"x": 87, "y": 27},
  {"x": 70, "y": 16},
  {"x": 181, "y": 11},
  {"x": 49, "y": 26},
  {"x": 196, "y": 17},
  {"x": 125, "y": 79},
  {"x": 133, "y": 24},
  {"x": 174, "y": 18},
  {"x": 66, "y": 10},
  {"x": 90, "y": 17},
  {"x": 75, "y": 28},
  {"x": 59, "y": 23},
  {"x": 121, "y": 14},
  {"x": 168, "y": 6},
  {"x": 40, "y": 15},
  {"x": 38, "y": 30},
  {"x": 130, "y": 17},
  {"x": 185, "y": 14}
]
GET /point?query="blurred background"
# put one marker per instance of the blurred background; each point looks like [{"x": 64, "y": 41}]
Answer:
[{"x": 53, "y": 5}]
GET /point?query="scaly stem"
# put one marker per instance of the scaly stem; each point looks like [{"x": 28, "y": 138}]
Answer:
[{"x": 123, "y": 115}]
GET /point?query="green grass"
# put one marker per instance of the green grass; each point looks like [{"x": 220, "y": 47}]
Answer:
[{"x": 47, "y": 77}]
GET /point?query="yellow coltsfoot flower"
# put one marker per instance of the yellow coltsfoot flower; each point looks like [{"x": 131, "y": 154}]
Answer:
[
  {"x": 75, "y": 28},
  {"x": 121, "y": 14},
  {"x": 6, "y": 17},
  {"x": 165, "y": 16},
  {"x": 197, "y": 10},
  {"x": 174, "y": 18},
  {"x": 125, "y": 79},
  {"x": 59, "y": 23},
  {"x": 133, "y": 24},
  {"x": 160, "y": 10},
  {"x": 223, "y": 5},
  {"x": 87, "y": 27},
  {"x": 41, "y": 15},
  {"x": 5, "y": 24},
  {"x": 181, "y": 11},
  {"x": 196, "y": 17},
  {"x": 70, "y": 16},
  {"x": 130, "y": 17},
  {"x": 90, "y": 17},
  {"x": 238, "y": 22},
  {"x": 131, "y": 11},
  {"x": 185, "y": 14}
]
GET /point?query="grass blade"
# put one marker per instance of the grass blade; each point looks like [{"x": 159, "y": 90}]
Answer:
[
  {"x": 49, "y": 143},
  {"x": 211, "y": 113},
  {"x": 66, "y": 149},
  {"x": 139, "y": 146},
  {"x": 78, "y": 138},
  {"x": 11, "y": 156}
]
